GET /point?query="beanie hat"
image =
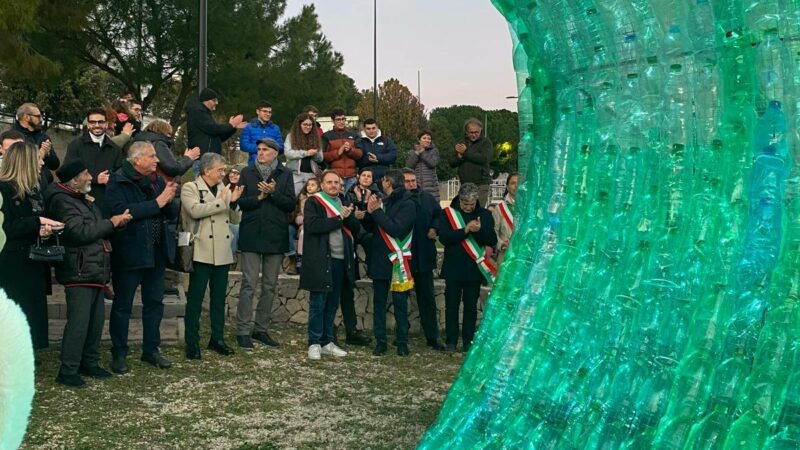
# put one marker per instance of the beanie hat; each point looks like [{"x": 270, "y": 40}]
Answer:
[
  {"x": 207, "y": 94},
  {"x": 70, "y": 170},
  {"x": 271, "y": 143}
]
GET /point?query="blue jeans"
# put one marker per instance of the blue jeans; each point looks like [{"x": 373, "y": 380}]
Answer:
[
  {"x": 234, "y": 237},
  {"x": 292, "y": 241},
  {"x": 380, "y": 289},
  {"x": 322, "y": 307}
]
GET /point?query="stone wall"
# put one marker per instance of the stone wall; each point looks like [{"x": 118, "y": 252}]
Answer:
[{"x": 292, "y": 303}]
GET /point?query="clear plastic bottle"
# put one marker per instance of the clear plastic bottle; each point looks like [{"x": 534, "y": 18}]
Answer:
[{"x": 772, "y": 62}]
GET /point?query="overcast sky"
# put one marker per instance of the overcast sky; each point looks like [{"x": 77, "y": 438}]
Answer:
[{"x": 461, "y": 47}]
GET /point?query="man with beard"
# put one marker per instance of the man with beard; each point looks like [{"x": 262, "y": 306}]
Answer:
[
  {"x": 98, "y": 153},
  {"x": 85, "y": 271},
  {"x": 29, "y": 123}
]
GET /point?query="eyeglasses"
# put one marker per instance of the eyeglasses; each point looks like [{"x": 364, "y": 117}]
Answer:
[
  {"x": 234, "y": 172},
  {"x": 96, "y": 122},
  {"x": 38, "y": 116},
  {"x": 340, "y": 119}
]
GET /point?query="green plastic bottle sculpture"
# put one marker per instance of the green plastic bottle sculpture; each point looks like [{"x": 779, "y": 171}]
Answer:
[{"x": 649, "y": 298}]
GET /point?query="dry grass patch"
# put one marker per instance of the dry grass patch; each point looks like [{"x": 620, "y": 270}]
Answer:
[{"x": 267, "y": 399}]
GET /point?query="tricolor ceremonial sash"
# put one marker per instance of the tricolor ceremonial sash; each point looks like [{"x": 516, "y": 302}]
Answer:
[
  {"x": 399, "y": 254},
  {"x": 333, "y": 208},
  {"x": 475, "y": 251},
  {"x": 505, "y": 212}
]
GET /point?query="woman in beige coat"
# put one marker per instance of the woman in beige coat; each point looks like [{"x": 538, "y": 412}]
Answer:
[{"x": 208, "y": 206}]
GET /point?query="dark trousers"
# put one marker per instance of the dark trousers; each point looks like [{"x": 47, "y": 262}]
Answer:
[
  {"x": 454, "y": 293},
  {"x": 215, "y": 277},
  {"x": 125, "y": 284},
  {"x": 348, "y": 306},
  {"x": 322, "y": 307},
  {"x": 85, "y": 317},
  {"x": 426, "y": 303},
  {"x": 380, "y": 289}
]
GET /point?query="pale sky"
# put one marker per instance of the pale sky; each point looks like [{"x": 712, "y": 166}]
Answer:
[{"x": 462, "y": 47}]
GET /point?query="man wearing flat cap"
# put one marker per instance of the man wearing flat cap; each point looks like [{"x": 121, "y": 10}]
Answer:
[
  {"x": 266, "y": 201},
  {"x": 85, "y": 271},
  {"x": 202, "y": 130}
]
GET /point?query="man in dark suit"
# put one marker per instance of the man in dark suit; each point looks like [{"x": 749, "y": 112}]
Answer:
[
  {"x": 391, "y": 220},
  {"x": 423, "y": 259}
]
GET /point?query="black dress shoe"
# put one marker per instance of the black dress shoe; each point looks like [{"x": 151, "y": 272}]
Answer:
[
  {"x": 265, "y": 338},
  {"x": 245, "y": 342},
  {"x": 94, "y": 372},
  {"x": 358, "y": 338},
  {"x": 220, "y": 347},
  {"x": 436, "y": 345},
  {"x": 380, "y": 349},
  {"x": 119, "y": 364},
  {"x": 70, "y": 380},
  {"x": 193, "y": 351},
  {"x": 156, "y": 360},
  {"x": 402, "y": 350}
]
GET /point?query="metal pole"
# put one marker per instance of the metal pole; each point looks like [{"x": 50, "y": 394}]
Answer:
[
  {"x": 375, "y": 59},
  {"x": 202, "y": 74},
  {"x": 419, "y": 95}
]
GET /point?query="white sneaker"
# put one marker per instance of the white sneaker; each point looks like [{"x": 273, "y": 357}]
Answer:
[
  {"x": 314, "y": 352},
  {"x": 333, "y": 350}
]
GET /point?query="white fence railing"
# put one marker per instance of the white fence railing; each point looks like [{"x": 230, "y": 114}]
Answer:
[{"x": 452, "y": 185}]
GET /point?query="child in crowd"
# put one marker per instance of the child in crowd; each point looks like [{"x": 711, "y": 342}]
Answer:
[{"x": 311, "y": 187}]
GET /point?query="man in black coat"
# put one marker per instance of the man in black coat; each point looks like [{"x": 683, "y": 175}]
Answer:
[
  {"x": 141, "y": 251},
  {"x": 98, "y": 153},
  {"x": 266, "y": 201},
  {"x": 29, "y": 123},
  {"x": 391, "y": 221},
  {"x": 329, "y": 226},
  {"x": 423, "y": 259},
  {"x": 85, "y": 271},
  {"x": 201, "y": 128},
  {"x": 464, "y": 222}
]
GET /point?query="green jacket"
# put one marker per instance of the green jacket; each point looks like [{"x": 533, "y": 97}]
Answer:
[{"x": 473, "y": 167}]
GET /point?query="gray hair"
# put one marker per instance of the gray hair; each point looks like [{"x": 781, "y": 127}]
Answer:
[
  {"x": 472, "y": 121},
  {"x": 208, "y": 160},
  {"x": 468, "y": 192},
  {"x": 395, "y": 178},
  {"x": 137, "y": 148},
  {"x": 25, "y": 108}
]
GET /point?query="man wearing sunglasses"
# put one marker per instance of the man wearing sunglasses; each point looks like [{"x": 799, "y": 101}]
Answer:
[
  {"x": 29, "y": 123},
  {"x": 98, "y": 153}
]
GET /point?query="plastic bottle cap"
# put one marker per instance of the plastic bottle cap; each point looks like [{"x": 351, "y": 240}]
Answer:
[
  {"x": 775, "y": 104},
  {"x": 632, "y": 76},
  {"x": 674, "y": 28},
  {"x": 675, "y": 68}
]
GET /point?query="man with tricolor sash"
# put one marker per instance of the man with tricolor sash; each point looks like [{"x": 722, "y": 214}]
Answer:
[
  {"x": 391, "y": 220},
  {"x": 329, "y": 226},
  {"x": 466, "y": 229}
]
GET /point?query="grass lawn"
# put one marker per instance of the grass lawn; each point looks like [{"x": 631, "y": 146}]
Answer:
[{"x": 267, "y": 399}]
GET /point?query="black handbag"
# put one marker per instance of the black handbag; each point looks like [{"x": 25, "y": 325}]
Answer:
[{"x": 47, "y": 253}]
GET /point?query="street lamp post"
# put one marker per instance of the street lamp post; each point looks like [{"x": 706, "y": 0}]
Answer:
[
  {"x": 375, "y": 59},
  {"x": 202, "y": 74}
]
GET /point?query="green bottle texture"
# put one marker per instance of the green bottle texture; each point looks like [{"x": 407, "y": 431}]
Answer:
[{"x": 649, "y": 296}]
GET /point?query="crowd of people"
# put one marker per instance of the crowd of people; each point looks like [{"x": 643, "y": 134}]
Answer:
[{"x": 119, "y": 213}]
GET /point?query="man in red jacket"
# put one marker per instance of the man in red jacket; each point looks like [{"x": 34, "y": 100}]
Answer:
[{"x": 339, "y": 149}]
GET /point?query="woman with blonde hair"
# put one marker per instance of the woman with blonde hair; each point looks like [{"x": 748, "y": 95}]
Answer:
[{"x": 24, "y": 280}]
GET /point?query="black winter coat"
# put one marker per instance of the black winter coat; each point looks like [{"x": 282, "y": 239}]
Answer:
[
  {"x": 457, "y": 265},
  {"x": 168, "y": 165},
  {"x": 264, "y": 227},
  {"x": 315, "y": 273},
  {"x": 51, "y": 161},
  {"x": 423, "y": 249},
  {"x": 97, "y": 159},
  {"x": 384, "y": 150},
  {"x": 88, "y": 252},
  {"x": 203, "y": 131},
  {"x": 133, "y": 246},
  {"x": 397, "y": 220}
]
